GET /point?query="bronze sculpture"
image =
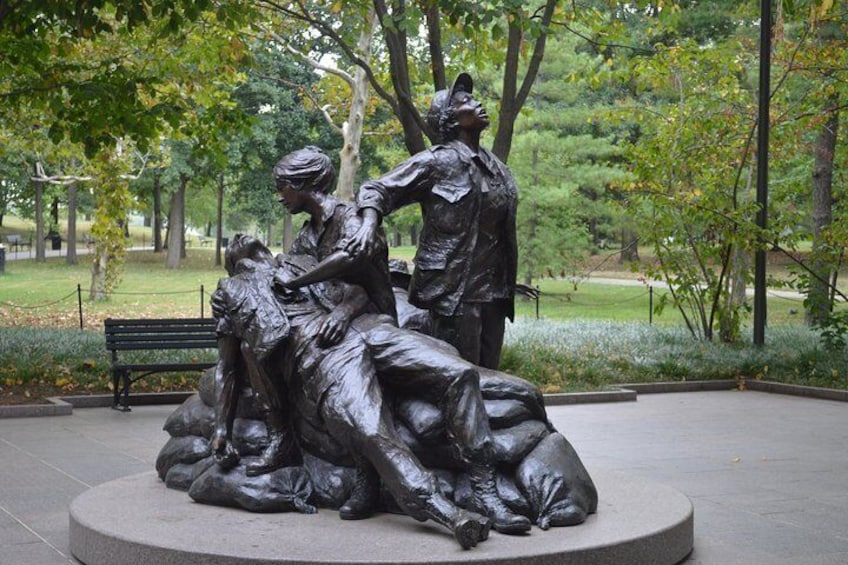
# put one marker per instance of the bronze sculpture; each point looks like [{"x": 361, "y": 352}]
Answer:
[{"x": 322, "y": 397}]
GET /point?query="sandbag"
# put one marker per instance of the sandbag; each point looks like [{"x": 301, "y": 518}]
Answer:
[
  {"x": 438, "y": 455},
  {"x": 250, "y": 437},
  {"x": 331, "y": 484},
  {"x": 186, "y": 449},
  {"x": 206, "y": 386},
  {"x": 506, "y": 413},
  {"x": 422, "y": 418},
  {"x": 321, "y": 444},
  {"x": 182, "y": 475},
  {"x": 192, "y": 418},
  {"x": 495, "y": 385},
  {"x": 556, "y": 484},
  {"x": 512, "y": 444},
  {"x": 283, "y": 490}
]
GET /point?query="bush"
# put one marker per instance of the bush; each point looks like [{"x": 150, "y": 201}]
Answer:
[
  {"x": 590, "y": 355},
  {"x": 76, "y": 361}
]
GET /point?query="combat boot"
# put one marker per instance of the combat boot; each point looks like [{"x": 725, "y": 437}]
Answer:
[
  {"x": 282, "y": 451},
  {"x": 364, "y": 496},
  {"x": 468, "y": 528},
  {"x": 485, "y": 500}
]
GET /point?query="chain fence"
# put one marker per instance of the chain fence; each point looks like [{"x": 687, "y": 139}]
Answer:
[{"x": 77, "y": 298}]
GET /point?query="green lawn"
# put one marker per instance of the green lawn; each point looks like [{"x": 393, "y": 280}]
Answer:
[{"x": 29, "y": 290}]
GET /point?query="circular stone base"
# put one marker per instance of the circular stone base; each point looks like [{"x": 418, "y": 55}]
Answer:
[{"x": 136, "y": 520}]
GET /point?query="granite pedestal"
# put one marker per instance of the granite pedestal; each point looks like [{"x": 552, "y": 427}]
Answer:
[{"x": 137, "y": 521}]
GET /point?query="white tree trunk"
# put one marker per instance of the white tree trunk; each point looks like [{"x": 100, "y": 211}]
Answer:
[
  {"x": 39, "y": 221},
  {"x": 352, "y": 128},
  {"x": 97, "y": 290},
  {"x": 71, "y": 258}
]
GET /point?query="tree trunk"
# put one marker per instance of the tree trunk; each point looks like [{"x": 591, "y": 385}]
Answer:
[
  {"x": 513, "y": 97},
  {"x": 352, "y": 128},
  {"x": 54, "y": 213},
  {"x": 822, "y": 259},
  {"x": 740, "y": 266},
  {"x": 530, "y": 263},
  {"x": 176, "y": 223},
  {"x": 413, "y": 235},
  {"x": 629, "y": 246},
  {"x": 531, "y": 258},
  {"x": 39, "y": 222},
  {"x": 219, "y": 221},
  {"x": 157, "y": 211},
  {"x": 288, "y": 231},
  {"x": 434, "y": 40},
  {"x": 97, "y": 290},
  {"x": 71, "y": 257}
]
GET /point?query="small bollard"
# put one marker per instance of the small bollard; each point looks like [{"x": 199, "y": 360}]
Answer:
[{"x": 2, "y": 259}]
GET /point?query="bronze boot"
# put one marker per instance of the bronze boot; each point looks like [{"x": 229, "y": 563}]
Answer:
[
  {"x": 364, "y": 496},
  {"x": 485, "y": 500},
  {"x": 282, "y": 451},
  {"x": 468, "y": 528}
]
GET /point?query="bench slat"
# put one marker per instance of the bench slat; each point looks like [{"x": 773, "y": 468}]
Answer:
[
  {"x": 139, "y": 325},
  {"x": 165, "y": 367}
]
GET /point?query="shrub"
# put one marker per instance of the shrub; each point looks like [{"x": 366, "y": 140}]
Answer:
[{"x": 584, "y": 355}]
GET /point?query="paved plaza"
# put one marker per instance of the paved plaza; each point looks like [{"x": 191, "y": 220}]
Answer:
[{"x": 767, "y": 473}]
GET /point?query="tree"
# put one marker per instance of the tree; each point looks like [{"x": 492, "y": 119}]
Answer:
[
  {"x": 565, "y": 162},
  {"x": 13, "y": 179},
  {"x": 510, "y": 25},
  {"x": 821, "y": 60},
  {"x": 95, "y": 96},
  {"x": 273, "y": 98},
  {"x": 356, "y": 81},
  {"x": 103, "y": 74},
  {"x": 694, "y": 143}
]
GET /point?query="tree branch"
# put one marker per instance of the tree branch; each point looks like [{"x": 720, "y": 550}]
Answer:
[{"x": 349, "y": 52}]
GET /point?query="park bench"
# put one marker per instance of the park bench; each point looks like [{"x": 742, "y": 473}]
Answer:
[
  {"x": 17, "y": 242},
  {"x": 203, "y": 240},
  {"x": 127, "y": 335}
]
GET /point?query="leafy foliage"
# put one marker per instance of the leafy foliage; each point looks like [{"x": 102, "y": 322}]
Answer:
[{"x": 80, "y": 61}]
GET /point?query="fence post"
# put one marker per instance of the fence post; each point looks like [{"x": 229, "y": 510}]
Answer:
[
  {"x": 650, "y": 305},
  {"x": 79, "y": 303},
  {"x": 538, "y": 294},
  {"x": 201, "y": 300}
]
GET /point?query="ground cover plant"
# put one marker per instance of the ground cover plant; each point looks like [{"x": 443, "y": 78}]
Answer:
[{"x": 585, "y": 355}]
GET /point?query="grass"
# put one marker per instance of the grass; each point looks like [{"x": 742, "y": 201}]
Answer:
[{"x": 31, "y": 292}]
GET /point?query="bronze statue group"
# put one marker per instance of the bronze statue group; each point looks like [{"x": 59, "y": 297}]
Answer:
[{"x": 324, "y": 396}]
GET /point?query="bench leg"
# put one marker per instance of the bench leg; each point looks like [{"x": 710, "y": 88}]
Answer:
[{"x": 121, "y": 391}]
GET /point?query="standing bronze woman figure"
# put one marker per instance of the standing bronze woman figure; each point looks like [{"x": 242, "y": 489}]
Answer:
[{"x": 466, "y": 262}]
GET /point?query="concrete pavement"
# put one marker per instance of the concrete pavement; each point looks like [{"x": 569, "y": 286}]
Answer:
[{"x": 767, "y": 473}]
